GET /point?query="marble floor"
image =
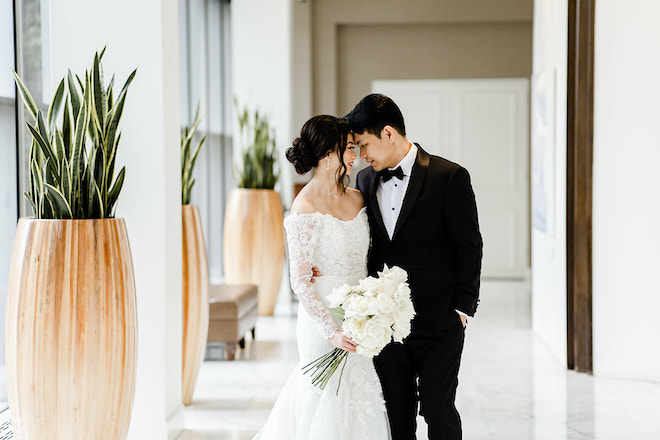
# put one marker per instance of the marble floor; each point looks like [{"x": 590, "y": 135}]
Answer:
[{"x": 510, "y": 385}]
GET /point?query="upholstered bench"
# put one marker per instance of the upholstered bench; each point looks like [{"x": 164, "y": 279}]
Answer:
[{"x": 232, "y": 313}]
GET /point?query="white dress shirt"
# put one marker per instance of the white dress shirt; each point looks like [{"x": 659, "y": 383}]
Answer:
[{"x": 390, "y": 194}]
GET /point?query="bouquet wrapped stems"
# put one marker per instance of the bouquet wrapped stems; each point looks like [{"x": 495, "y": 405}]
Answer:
[{"x": 325, "y": 366}]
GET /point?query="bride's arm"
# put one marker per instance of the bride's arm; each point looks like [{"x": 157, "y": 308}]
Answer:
[{"x": 302, "y": 233}]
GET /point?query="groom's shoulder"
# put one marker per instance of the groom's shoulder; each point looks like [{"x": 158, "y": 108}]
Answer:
[
  {"x": 442, "y": 165},
  {"x": 364, "y": 176}
]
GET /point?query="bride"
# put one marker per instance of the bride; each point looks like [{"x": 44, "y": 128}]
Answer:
[{"x": 328, "y": 228}]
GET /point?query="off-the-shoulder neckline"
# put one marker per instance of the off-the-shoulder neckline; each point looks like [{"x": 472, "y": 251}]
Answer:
[{"x": 295, "y": 214}]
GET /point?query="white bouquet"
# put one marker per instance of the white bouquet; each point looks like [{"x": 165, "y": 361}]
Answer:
[{"x": 373, "y": 313}]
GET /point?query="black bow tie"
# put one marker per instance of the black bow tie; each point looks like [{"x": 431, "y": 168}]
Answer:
[{"x": 387, "y": 174}]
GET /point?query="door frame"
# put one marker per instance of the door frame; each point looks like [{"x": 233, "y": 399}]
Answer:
[{"x": 579, "y": 200}]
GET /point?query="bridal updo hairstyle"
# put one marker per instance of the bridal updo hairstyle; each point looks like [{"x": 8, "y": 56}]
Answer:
[{"x": 320, "y": 136}]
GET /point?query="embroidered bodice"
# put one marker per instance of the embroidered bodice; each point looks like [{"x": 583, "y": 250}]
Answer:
[{"x": 338, "y": 248}]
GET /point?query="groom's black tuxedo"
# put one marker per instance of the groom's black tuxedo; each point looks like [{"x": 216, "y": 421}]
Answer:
[{"x": 437, "y": 241}]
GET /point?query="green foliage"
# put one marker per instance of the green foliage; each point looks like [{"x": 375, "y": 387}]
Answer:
[
  {"x": 72, "y": 168},
  {"x": 188, "y": 158},
  {"x": 259, "y": 155}
]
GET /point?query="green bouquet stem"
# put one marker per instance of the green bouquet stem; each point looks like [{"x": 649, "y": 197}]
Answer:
[{"x": 325, "y": 366}]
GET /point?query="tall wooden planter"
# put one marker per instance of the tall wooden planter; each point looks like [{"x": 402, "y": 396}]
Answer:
[
  {"x": 253, "y": 243},
  {"x": 195, "y": 300},
  {"x": 71, "y": 330}
]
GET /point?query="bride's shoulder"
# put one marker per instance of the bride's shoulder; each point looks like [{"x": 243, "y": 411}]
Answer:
[
  {"x": 355, "y": 197},
  {"x": 302, "y": 205}
]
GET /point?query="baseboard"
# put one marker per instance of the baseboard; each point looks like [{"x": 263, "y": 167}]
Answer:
[{"x": 169, "y": 428}]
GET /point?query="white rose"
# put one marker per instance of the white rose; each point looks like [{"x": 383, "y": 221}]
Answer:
[
  {"x": 376, "y": 336},
  {"x": 357, "y": 306},
  {"x": 355, "y": 328},
  {"x": 384, "y": 303},
  {"x": 368, "y": 283},
  {"x": 339, "y": 295}
]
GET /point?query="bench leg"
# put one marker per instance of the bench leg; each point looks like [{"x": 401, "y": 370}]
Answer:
[
  {"x": 241, "y": 343},
  {"x": 231, "y": 351},
  {"x": 253, "y": 331}
]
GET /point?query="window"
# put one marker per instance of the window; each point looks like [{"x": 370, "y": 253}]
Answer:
[
  {"x": 23, "y": 37},
  {"x": 8, "y": 190},
  {"x": 205, "y": 65}
]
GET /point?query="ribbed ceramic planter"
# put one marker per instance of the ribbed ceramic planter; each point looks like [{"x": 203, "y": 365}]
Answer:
[
  {"x": 253, "y": 243},
  {"x": 195, "y": 300},
  {"x": 71, "y": 330}
]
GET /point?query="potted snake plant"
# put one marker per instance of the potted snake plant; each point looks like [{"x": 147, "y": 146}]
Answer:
[
  {"x": 71, "y": 327},
  {"x": 195, "y": 269},
  {"x": 253, "y": 238}
]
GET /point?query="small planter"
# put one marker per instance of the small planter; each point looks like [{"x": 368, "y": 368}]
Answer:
[
  {"x": 71, "y": 335},
  {"x": 195, "y": 300},
  {"x": 253, "y": 243}
]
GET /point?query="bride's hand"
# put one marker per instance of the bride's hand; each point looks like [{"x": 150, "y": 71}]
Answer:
[{"x": 341, "y": 341}]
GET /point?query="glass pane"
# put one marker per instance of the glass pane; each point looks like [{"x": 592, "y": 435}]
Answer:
[
  {"x": 8, "y": 190},
  {"x": 203, "y": 44},
  {"x": 33, "y": 67}
]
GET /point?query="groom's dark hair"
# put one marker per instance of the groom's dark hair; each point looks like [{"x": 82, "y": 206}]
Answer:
[{"x": 373, "y": 113}]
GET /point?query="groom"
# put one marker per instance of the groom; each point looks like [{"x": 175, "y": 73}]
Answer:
[{"x": 423, "y": 218}]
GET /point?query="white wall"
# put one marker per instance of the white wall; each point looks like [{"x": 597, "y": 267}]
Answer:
[
  {"x": 626, "y": 233},
  {"x": 261, "y": 71},
  {"x": 549, "y": 248},
  {"x": 143, "y": 35}
]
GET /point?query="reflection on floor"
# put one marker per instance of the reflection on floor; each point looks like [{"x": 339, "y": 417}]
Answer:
[{"x": 510, "y": 386}]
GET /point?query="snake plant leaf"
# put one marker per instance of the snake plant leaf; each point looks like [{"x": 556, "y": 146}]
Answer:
[
  {"x": 60, "y": 151},
  {"x": 109, "y": 99},
  {"x": 59, "y": 201},
  {"x": 94, "y": 127},
  {"x": 28, "y": 196},
  {"x": 128, "y": 82},
  {"x": 44, "y": 145},
  {"x": 98, "y": 200},
  {"x": 100, "y": 174},
  {"x": 66, "y": 180},
  {"x": 67, "y": 132},
  {"x": 51, "y": 174},
  {"x": 74, "y": 94},
  {"x": 100, "y": 97},
  {"x": 39, "y": 181},
  {"x": 116, "y": 113},
  {"x": 116, "y": 188},
  {"x": 55, "y": 106},
  {"x": 25, "y": 94},
  {"x": 80, "y": 82},
  {"x": 90, "y": 183},
  {"x": 79, "y": 145},
  {"x": 102, "y": 52},
  {"x": 111, "y": 161},
  {"x": 189, "y": 156},
  {"x": 48, "y": 208}
]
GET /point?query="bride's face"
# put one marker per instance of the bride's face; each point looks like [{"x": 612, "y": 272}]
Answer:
[{"x": 349, "y": 155}]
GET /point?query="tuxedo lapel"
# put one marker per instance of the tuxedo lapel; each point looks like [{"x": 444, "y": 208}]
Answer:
[
  {"x": 417, "y": 176},
  {"x": 373, "y": 202}
]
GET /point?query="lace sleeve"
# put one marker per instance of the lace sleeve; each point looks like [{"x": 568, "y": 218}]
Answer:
[{"x": 302, "y": 232}]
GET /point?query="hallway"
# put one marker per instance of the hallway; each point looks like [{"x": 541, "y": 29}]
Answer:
[{"x": 510, "y": 386}]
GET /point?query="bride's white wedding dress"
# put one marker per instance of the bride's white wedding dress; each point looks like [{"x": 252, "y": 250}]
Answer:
[{"x": 302, "y": 411}]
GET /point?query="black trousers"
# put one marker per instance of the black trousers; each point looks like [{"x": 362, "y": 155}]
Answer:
[{"x": 433, "y": 359}]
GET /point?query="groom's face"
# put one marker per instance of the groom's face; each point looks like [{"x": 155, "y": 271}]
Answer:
[{"x": 376, "y": 151}]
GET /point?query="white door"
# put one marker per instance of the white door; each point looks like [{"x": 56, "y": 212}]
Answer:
[{"x": 482, "y": 125}]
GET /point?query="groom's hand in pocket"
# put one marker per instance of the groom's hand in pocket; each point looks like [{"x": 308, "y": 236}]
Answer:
[{"x": 315, "y": 273}]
